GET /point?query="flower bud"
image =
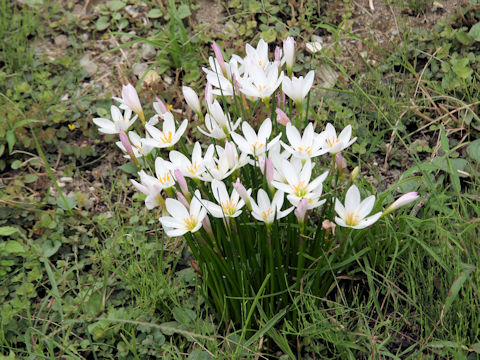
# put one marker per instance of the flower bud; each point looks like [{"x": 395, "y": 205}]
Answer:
[
  {"x": 278, "y": 54},
  {"x": 231, "y": 154},
  {"x": 269, "y": 170},
  {"x": 208, "y": 93},
  {"x": 191, "y": 98},
  {"x": 402, "y": 201},
  {"x": 219, "y": 57},
  {"x": 160, "y": 107},
  {"x": 130, "y": 98},
  {"x": 183, "y": 200},
  {"x": 300, "y": 212},
  {"x": 289, "y": 52},
  {"x": 181, "y": 182},
  {"x": 355, "y": 173},
  {"x": 329, "y": 226},
  {"x": 238, "y": 186},
  {"x": 282, "y": 118},
  {"x": 128, "y": 147}
]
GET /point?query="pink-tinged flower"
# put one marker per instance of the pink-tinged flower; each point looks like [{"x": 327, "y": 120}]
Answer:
[
  {"x": 269, "y": 171},
  {"x": 126, "y": 143},
  {"x": 118, "y": 123},
  {"x": 281, "y": 99},
  {"x": 208, "y": 94},
  {"x": 353, "y": 214},
  {"x": 183, "y": 220},
  {"x": 301, "y": 210},
  {"x": 130, "y": 100},
  {"x": 191, "y": 98},
  {"x": 219, "y": 57},
  {"x": 160, "y": 107},
  {"x": 266, "y": 211},
  {"x": 258, "y": 56},
  {"x": 298, "y": 88},
  {"x": 138, "y": 148},
  {"x": 183, "y": 200},
  {"x": 329, "y": 226},
  {"x": 282, "y": 118},
  {"x": 168, "y": 136},
  {"x": 151, "y": 187},
  {"x": 289, "y": 52},
  {"x": 262, "y": 82},
  {"x": 181, "y": 181},
  {"x": 244, "y": 193},
  {"x": 402, "y": 201},
  {"x": 333, "y": 144}
]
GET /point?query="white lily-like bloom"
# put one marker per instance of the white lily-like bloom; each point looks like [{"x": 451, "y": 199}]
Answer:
[
  {"x": 252, "y": 143},
  {"x": 333, "y": 144},
  {"x": 226, "y": 162},
  {"x": 214, "y": 130},
  {"x": 164, "y": 171},
  {"x": 303, "y": 147},
  {"x": 151, "y": 187},
  {"x": 298, "y": 88},
  {"x": 261, "y": 83},
  {"x": 298, "y": 185},
  {"x": 258, "y": 56},
  {"x": 118, "y": 123},
  {"x": 196, "y": 166},
  {"x": 354, "y": 213},
  {"x": 168, "y": 136},
  {"x": 191, "y": 98},
  {"x": 183, "y": 220},
  {"x": 228, "y": 205},
  {"x": 222, "y": 83},
  {"x": 138, "y": 148},
  {"x": 266, "y": 211},
  {"x": 130, "y": 100}
]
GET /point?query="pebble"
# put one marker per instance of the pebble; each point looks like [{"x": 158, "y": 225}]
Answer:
[
  {"x": 148, "y": 51},
  {"x": 88, "y": 65},
  {"x": 61, "y": 41},
  {"x": 84, "y": 37},
  {"x": 139, "y": 68}
]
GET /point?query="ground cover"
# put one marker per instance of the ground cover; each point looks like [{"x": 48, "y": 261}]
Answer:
[{"x": 85, "y": 269}]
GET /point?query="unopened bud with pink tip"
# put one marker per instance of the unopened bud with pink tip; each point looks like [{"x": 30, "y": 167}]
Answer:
[
  {"x": 282, "y": 118},
  {"x": 182, "y": 183},
  {"x": 341, "y": 163},
  {"x": 160, "y": 107},
  {"x": 128, "y": 147},
  {"x": 401, "y": 201},
  {"x": 289, "y": 53},
  {"x": 183, "y": 200},
  {"x": 208, "y": 94},
  {"x": 219, "y": 57},
  {"x": 131, "y": 100},
  {"x": 244, "y": 193},
  {"x": 269, "y": 171},
  {"x": 300, "y": 212},
  {"x": 191, "y": 98}
]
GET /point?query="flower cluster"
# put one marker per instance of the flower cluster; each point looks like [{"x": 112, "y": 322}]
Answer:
[{"x": 281, "y": 170}]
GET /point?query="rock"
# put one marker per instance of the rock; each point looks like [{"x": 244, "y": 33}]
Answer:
[
  {"x": 88, "y": 65},
  {"x": 139, "y": 68},
  {"x": 84, "y": 37},
  {"x": 148, "y": 51},
  {"x": 61, "y": 41}
]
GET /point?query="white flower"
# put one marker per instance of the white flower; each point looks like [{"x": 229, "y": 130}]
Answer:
[
  {"x": 226, "y": 162},
  {"x": 191, "y": 98},
  {"x": 183, "y": 220},
  {"x": 217, "y": 123},
  {"x": 333, "y": 144},
  {"x": 252, "y": 143},
  {"x": 298, "y": 185},
  {"x": 216, "y": 77},
  {"x": 402, "y": 201},
  {"x": 195, "y": 167},
  {"x": 138, "y": 148},
  {"x": 168, "y": 136},
  {"x": 266, "y": 211},
  {"x": 289, "y": 51},
  {"x": 151, "y": 187},
  {"x": 303, "y": 147},
  {"x": 118, "y": 123},
  {"x": 258, "y": 56},
  {"x": 315, "y": 45},
  {"x": 164, "y": 172},
  {"x": 298, "y": 88},
  {"x": 130, "y": 100},
  {"x": 261, "y": 83},
  {"x": 230, "y": 205},
  {"x": 354, "y": 213}
]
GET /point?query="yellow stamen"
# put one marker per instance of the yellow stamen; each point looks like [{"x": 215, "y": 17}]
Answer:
[
  {"x": 308, "y": 150},
  {"x": 300, "y": 189},
  {"x": 333, "y": 141},
  {"x": 192, "y": 169},
  {"x": 229, "y": 207},
  {"x": 267, "y": 213},
  {"x": 190, "y": 222},
  {"x": 352, "y": 219},
  {"x": 166, "y": 138},
  {"x": 165, "y": 178}
]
